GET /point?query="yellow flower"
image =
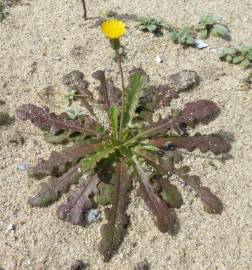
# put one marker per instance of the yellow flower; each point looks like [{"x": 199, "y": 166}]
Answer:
[{"x": 113, "y": 29}]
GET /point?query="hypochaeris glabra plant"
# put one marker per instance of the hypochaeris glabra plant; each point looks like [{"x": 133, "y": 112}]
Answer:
[{"x": 105, "y": 162}]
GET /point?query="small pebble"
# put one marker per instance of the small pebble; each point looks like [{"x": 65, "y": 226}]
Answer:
[
  {"x": 158, "y": 59},
  {"x": 5, "y": 119},
  {"x": 2, "y": 102},
  {"x": 245, "y": 87},
  {"x": 183, "y": 184},
  {"x": 16, "y": 138},
  {"x": 144, "y": 265},
  {"x": 93, "y": 215},
  {"x": 56, "y": 57},
  {"x": 21, "y": 166},
  {"x": 11, "y": 227},
  {"x": 78, "y": 265}
]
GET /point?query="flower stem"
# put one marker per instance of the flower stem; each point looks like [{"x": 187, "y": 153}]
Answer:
[
  {"x": 123, "y": 93},
  {"x": 84, "y": 9}
]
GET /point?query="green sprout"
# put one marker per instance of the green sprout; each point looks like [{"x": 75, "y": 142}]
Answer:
[
  {"x": 241, "y": 56},
  {"x": 183, "y": 36},
  {"x": 74, "y": 113},
  {"x": 70, "y": 95},
  {"x": 153, "y": 25},
  {"x": 211, "y": 25}
]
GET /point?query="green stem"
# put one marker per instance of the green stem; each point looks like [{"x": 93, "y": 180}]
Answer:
[
  {"x": 148, "y": 132},
  {"x": 123, "y": 93}
]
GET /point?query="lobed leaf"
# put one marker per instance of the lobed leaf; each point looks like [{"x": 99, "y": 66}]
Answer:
[
  {"x": 42, "y": 118},
  {"x": 113, "y": 231},
  {"x": 162, "y": 95},
  {"x": 109, "y": 94},
  {"x": 79, "y": 202},
  {"x": 197, "y": 111},
  {"x": 170, "y": 194},
  {"x": 212, "y": 203},
  {"x": 69, "y": 155},
  {"x": 75, "y": 79},
  {"x": 156, "y": 205},
  {"x": 55, "y": 187},
  {"x": 213, "y": 143}
]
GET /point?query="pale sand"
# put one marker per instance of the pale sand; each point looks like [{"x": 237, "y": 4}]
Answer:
[{"x": 44, "y": 30}]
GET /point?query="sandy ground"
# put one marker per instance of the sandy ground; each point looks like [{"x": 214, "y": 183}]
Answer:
[{"x": 36, "y": 43}]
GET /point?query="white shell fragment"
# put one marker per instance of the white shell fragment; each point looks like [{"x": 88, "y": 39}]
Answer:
[
  {"x": 159, "y": 59},
  {"x": 199, "y": 44}
]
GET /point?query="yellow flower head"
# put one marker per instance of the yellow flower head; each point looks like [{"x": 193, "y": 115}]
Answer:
[{"x": 113, "y": 29}]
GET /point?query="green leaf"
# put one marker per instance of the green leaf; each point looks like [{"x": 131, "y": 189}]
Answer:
[
  {"x": 203, "y": 34},
  {"x": 147, "y": 147},
  {"x": 249, "y": 56},
  {"x": 220, "y": 30},
  {"x": 90, "y": 162},
  {"x": 105, "y": 194},
  {"x": 152, "y": 28},
  {"x": 229, "y": 58},
  {"x": 114, "y": 122},
  {"x": 170, "y": 194},
  {"x": 137, "y": 83},
  {"x": 142, "y": 27},
  {"x": 238, "y": 59},
  {"x": 245, "y": 64}
]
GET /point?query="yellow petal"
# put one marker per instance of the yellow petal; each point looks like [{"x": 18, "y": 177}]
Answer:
[{"x": 113, "y": 29}]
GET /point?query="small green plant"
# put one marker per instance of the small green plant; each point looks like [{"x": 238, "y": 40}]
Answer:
[
  {"x": 106, "y": 161},
  {"x": 74, "y": 113},
  {"x": 153, "y": 25},
  {"x": 70, "y": 95},
  {"x": 3, "y": 12},
  {"x": 211, "y": 25},
  {"x": 241, "y": 56},
  {"x": 183, "y": 36}
]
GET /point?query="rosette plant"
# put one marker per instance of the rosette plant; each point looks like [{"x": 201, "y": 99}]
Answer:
[{"x": 132, "y": 148}]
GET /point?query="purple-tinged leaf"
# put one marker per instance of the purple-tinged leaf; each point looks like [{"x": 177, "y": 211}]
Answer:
[
  {"x": 55, "y": 187},
  {"x": 69, "y": 155},
  {"x": 75, "y": 79},
  {"x": 162, "y": 95},
  {"x": 197, "y": 111},
  {"x": 213, "y": 143},
  {"x": 42, "y": 118},
  {"x": 109, "y": 95},
  {"x": 170, "y": 194},
  {"x": 161, "y": 166},
  {"x": 113, "y": 231},
  {"x": 159, "y": 209},
  {"x": 79, "y": 202},
  {"x": 211, "y": 202}
]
